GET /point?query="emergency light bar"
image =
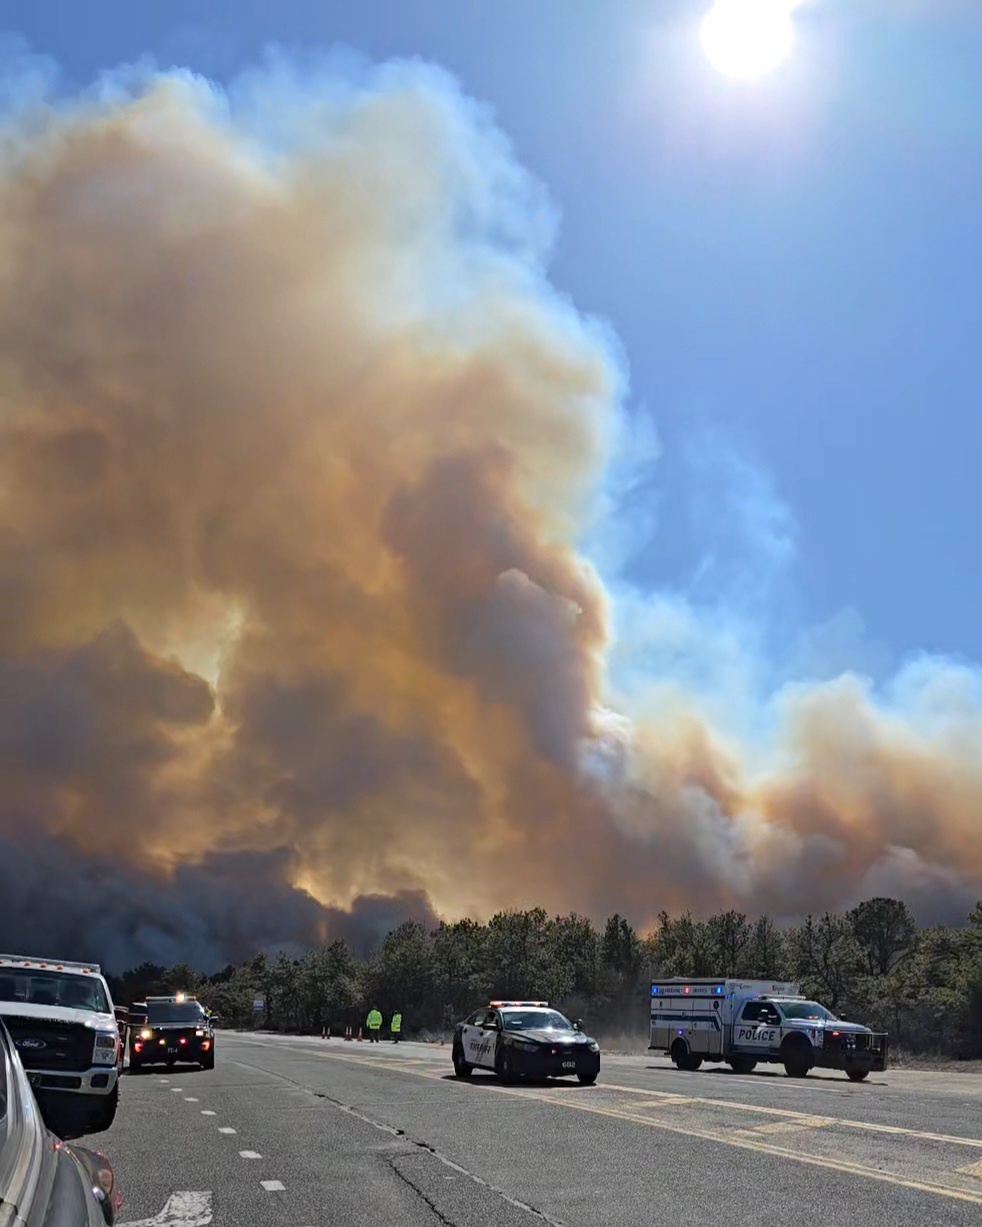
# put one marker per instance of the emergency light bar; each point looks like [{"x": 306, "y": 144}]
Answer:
[
  {"x": 494, "y": 1004},
  {"x": 13, "y": 960}
]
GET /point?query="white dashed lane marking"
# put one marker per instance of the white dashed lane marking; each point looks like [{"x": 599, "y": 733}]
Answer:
[
  {"x": 273, "y": 1186},
  {"x": 225, "y": 1129},
  {"x": 249, "y": 1154},
  {"x": 208, "y": 1112},
  {"x": 187, "y": 1099}
]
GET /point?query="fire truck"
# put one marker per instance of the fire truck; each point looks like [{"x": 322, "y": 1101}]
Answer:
[{"x": 746, "y": 1022}]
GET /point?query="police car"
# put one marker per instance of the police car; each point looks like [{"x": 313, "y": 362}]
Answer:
[
  {"x": 168, "y": 1030},
  {"x": 524, "y": 1039}
]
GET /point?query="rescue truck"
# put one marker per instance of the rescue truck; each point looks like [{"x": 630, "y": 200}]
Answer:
[{"x": 743, "y": 1022}]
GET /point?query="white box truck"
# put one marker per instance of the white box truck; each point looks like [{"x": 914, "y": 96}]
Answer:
[{"x": 743, "y": 1022}]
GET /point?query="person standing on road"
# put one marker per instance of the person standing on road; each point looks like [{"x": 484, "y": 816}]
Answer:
[
  {"x": 395, "y": 1027},
  {"x": 374, "y": 1024}
]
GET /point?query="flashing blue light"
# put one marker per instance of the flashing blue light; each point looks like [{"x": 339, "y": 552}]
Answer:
[
  {"x": 719, "y": 990},
  {"x": 654, "y": 990}
]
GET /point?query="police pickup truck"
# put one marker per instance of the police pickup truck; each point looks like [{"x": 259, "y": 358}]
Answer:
[
  {"x": 169, "y": 1030},
  {"x": 743, "y": 1022},
  {"x": 61, "y": 1018}
]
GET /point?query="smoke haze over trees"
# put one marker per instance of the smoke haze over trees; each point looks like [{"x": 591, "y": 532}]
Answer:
[
  {"x": 870, "y": 964},
  {"x": 299, "y": 632}
]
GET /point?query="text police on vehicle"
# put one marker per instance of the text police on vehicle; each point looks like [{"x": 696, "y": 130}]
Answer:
[{"x": 524, "y": 1039}]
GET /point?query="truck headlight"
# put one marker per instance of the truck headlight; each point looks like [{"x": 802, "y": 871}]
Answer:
[{"x": 104, "y": 1052}]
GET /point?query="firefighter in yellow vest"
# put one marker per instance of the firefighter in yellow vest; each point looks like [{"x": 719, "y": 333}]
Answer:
[
  {"x": 395, "y": 1027},
  {"x": 374, "y": 1021}
]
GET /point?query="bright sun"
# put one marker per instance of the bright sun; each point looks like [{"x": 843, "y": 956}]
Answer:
[{"x": 747, "y": 38}]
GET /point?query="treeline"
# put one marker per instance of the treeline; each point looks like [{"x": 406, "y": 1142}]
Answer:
[{"x": 871, "y": 964}]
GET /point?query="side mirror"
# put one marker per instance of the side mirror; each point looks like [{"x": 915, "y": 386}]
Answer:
[
  {"x": 577, "y": 1024},
  {"x": 122, "y": 1013},
  {"x": 214, "y": 1018}
]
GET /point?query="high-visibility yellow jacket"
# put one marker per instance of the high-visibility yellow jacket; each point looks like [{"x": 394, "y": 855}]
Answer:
[
  {"x": 396, "y": 1024},
  {"x": 374, "y": 1020}
]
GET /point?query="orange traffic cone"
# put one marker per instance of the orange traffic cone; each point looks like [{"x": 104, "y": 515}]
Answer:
[{"x": 359, "y": 1035}]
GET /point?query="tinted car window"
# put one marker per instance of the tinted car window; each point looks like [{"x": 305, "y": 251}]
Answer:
[
  {"x": 36, "y": 987},
  {"x": 536, "y": 1020},
  {"x": 174, "y": 1012},
  {"x": 751, "y": 1011}
]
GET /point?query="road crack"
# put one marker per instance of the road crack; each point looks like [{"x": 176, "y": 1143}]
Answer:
[{"x": 418, "y": 1146}]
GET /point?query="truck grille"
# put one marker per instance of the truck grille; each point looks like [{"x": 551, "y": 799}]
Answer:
[{"x": 44, "y": 1044}]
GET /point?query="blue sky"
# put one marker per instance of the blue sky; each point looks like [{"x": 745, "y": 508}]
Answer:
[{"x": 791, "y": 267}]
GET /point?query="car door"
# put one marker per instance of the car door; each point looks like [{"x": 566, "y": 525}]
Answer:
[
  {"x": 488, "y": 1042},
  {"x": 471, "y": 1036},
  {"x": 758, "y": 1028}
]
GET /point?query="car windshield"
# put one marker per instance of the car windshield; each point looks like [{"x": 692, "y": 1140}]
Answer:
[
  {"x": 27, "y": 985},
  {"x": 174, "y": 1012},
  {"x": 536, "y": 1020},
  {"x": 806, "y": 1009}
]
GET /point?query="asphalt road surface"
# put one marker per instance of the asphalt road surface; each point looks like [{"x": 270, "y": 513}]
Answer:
[{"x": 323, "y": 1133}]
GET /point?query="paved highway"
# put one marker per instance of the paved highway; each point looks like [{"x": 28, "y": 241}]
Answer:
[{"x": 311, "y": 1133}]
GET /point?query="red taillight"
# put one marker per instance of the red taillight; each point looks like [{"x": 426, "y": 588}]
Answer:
[
  {"x": 182, "y": 1040},
  {"x": 138, "y": 1046},
  {"x": 205, "y": 1044}
]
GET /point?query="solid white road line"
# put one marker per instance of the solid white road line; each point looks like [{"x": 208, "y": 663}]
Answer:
[{"x": 273, "y": 1186}]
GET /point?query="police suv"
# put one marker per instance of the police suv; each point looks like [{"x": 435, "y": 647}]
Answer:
[
  {"x": 168, "y": 1030},
  {"x": 524, "y": 1039},
  {"x": 742, "y": 1022},
  {"x": 60, "y": 1016}
]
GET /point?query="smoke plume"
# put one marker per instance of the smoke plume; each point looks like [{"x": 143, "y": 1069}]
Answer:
[{"x": 297, "y": 446}]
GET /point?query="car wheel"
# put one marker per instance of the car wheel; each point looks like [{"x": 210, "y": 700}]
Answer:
[
  {"x": 208, "y": 1060},
  {"x": 586, "y": 1079},
  {"x": 460, "y": 1066},
  {"x": 504, "y": 1067},
  {"x": 796, "y": 1056},
  {"x": 743, "y": 1065},
  {"x": 857, "y": 1075},
  {"x": 104, "y": 1115}
]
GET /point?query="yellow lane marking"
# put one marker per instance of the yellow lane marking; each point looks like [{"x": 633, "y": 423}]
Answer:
[
  {"x": 786, "y": 1126},
  {"x": 659, "y": 1103},
  {"x": 722, "y": 1138},
  {"x": 844, "y": 1122}
]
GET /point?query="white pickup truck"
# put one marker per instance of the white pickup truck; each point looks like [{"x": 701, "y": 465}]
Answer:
[
  {"x": 62, "y": 1021},
  {"x": 743, "y": 1022}
]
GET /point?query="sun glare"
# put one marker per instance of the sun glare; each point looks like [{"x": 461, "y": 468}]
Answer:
[{"x": 748, "y": 38}]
